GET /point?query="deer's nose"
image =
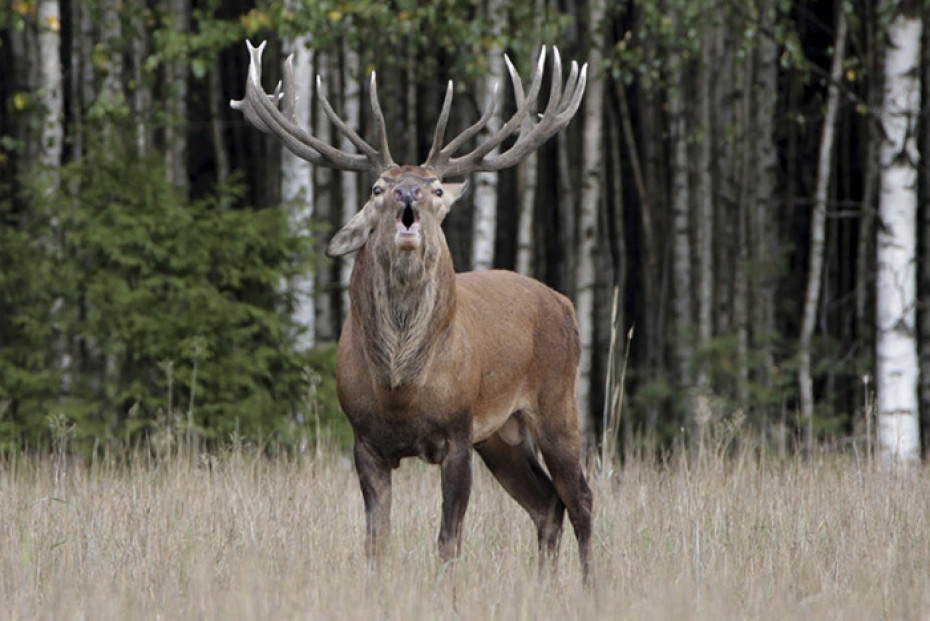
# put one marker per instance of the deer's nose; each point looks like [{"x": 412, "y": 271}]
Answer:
[{"x": 407, "y": 194}]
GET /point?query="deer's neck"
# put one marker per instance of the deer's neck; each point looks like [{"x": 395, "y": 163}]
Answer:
[{"x": 404, "y": 308}]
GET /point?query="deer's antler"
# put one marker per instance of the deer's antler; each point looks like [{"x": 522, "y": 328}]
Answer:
[
  {"x": 563, "y": 103},
  {"x": 261, "y": 110}
]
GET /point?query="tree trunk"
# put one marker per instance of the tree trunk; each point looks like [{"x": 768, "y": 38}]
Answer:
[
  {"x": 348, "y": 181},
  {"x": 592, "y": 176},
  {"x": 763, "y": 232},
  {"x": 682, "y": 307},
  {"x": 330, "y": 309},
  {"x": 485, "y": 197},
  {"x": 817, "y": 232},
  {"x": 51, "y": 142},
  {"x": 51, "y": 97},
  {"x": 220, "y": 153},
  {"x": 111, "y": 91},
  {"x": 176, "y": 78},
  {"x": 711, "y": 57},
  {"x": 648, "y": 262},
  {"x": 528, "y": 178},
  {"x": 297, "y": 192},
  {"x": 924, "y": 249},
  {"x": 865, "y": 246},
  {"x": 744, "y": 176},
  {"x": 896, "y": 361},
  {"x": 142, "y": 93}
]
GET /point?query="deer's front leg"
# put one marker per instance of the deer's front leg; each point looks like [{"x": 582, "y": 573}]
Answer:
[
  {"x": 374, "y": 477},
  {"x": 456, "y": 489}
]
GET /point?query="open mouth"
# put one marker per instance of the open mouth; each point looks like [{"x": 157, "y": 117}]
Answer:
[{"x": 408, "y": 221}]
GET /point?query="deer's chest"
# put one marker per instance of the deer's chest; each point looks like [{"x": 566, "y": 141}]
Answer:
[{"x": 401, "y": 429}]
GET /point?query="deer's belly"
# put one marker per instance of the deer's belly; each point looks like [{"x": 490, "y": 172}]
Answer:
[{"x": 505, "y": 418}]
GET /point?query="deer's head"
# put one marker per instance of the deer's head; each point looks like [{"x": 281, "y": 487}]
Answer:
[{"x": 403, "y": 214}]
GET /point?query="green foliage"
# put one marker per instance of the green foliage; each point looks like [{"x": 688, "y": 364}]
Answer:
[
  {"x": 677, "y": 30},
  {"x": 391, "y": 34},
  {"x": 168, "y": 310},
  {"x": 26, "y": 302}
]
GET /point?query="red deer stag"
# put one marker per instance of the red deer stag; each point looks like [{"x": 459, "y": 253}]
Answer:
[{"x": 432, "y": 363}]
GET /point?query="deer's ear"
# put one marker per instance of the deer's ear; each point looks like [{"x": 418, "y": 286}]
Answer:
[
  {"x": 353, "y": 235},
  {"x": 451, "y": 192}
]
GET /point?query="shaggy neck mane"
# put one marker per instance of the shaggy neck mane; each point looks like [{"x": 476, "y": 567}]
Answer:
[{"x": 403, "y": 307}]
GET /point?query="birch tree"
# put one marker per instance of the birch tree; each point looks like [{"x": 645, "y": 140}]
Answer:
[
  {"x": 50, "y": 87},
  {"x": 924, "y": 249},
  {"x": 817, "y": 231},
  {"x": 297, "y": 189},
  {"x": 896, "y": 362},
  {"x": 348, "y": 181},
  {"x": 51, "y": 142},
  {"x": 328, "y": 278},
  {"x": 527, "y": 179},
  {"x": 592, "y": 175},
  {"x": 485, "y": 196},
  {"x": 704, "y": 216}
]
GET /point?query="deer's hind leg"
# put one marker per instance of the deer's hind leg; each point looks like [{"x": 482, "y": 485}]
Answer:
[
  {"x": 560, "y": 444},
  {"x": 516, "y": 468}
]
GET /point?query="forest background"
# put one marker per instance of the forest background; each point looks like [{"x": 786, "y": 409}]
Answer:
[{"x": 715, "y": 211}]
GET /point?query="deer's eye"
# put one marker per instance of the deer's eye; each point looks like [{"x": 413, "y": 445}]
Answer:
[
  {"x": 438, "y": 191},
  {"x": 377, "y": 190}
]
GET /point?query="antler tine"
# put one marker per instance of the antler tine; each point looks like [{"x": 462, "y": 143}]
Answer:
[
  {"x": 379, "y": 118},
  {"x": 242, "y": 105},
  {"x": 442, "y": 159},
  {"x": 261, "y": 110},
  {"x": 570, "y": 84},
  {"x": 289, "y": 103},
  {"x": 516, "y": 81},
  {"x": 347, "y": 131},
  {"x": 552, "y": 121},
  {"x": 441, "y": 124},
  {"x": 575, "y": 100},
  {"x": 563, "y": 103},
  {"x": 555, "y": 90},
  {"x": 457, "y": 142}
]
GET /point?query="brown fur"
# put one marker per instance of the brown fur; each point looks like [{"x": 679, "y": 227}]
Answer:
[{"x": 431, "y": 363}]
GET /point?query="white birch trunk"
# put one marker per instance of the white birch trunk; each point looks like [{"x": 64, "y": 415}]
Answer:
[
  {"x": 485, "y": 197},
  {"x": 896, "y": 362},
  {"x": 589, "y": 208},
  {"x": 51, "y": 139},
  {"x": 327, "y": 280},
  {"x": 297, "y": 193},
  {"x": 348, "y": 181},
  {"x": 704, "y": 224},
  {"x": 50, "y": 87},
  {"x": 817, "y": 237},
  {"x": 527, "y": 179}
]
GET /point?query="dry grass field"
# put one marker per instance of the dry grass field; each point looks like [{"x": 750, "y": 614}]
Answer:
[{"x": 244, "y": 537}]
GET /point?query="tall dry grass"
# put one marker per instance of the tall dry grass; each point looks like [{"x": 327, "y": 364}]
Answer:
[{"x": 246, "y": 537}]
